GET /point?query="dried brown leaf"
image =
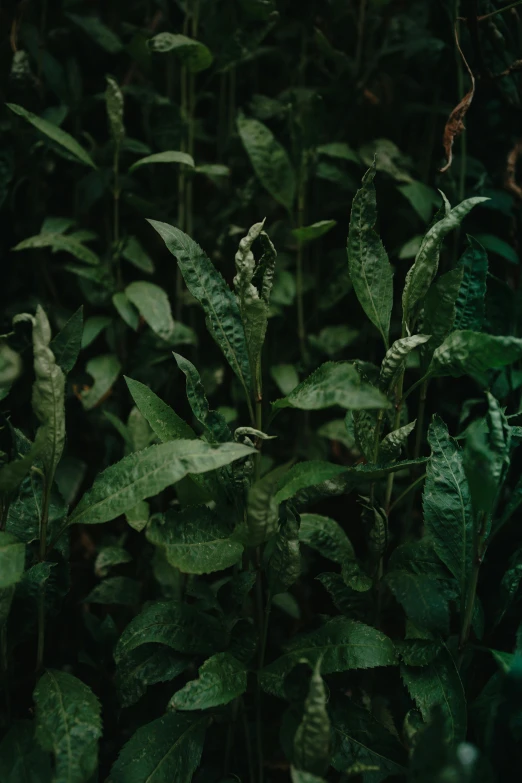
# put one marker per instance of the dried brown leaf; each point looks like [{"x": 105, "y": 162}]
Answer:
[
  {"x": 455, "y": 124},
  {"x": 510, "y": 180}
]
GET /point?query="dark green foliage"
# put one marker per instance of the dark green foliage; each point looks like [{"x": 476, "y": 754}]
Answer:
[{"x": 260, "y": 456}]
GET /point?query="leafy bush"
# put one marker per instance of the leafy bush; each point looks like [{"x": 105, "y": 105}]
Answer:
[{"x": 282, "y": 543}]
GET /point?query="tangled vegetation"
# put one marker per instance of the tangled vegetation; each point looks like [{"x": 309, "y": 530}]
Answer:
[{"x": 260, "y": 387}]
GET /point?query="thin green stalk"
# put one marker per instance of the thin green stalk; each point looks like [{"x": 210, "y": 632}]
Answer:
[
  {"x": 361, "y": 22},
  {"x": 479, "y": 532},
  {"x": 248, "y": 743},
  {"x": 231, "y": 101},
  {"x": 4, "y": 663},
  {"x": 301, "y": 204},
  {"x": 191, "y": 122},
  {"x": 222, "y": 116},
  {"x": 420, "y": 419},
  {"x": 407, "y": 491},
  {"x": 44, "y": 519},
  {"x": 116, "y": 213},
  {"x": 396, "y": 425},
  {"x": 259, "y": 426},
  {"x": 182, "y": 195},
  {"x": 231, "y": 730},
  {"x": 265, "y": 619},
  {"x": 499, "y": 10}
]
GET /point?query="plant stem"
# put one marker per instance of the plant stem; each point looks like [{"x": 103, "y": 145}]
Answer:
[
  {"x": 360, "y": 35},
  {"x": 5, "y": 670},
  {"x": 500, "y": 10},
  {"x": 396, "y": 425},
  {"x": 43, "y": 551},
  {"x": 191, "y": 121},
  {"x": 230, "y": 737},
  {"x": 231, "y": 101},
  {"x": 479, "y": 531},
  {"x": 263, "y": 628},
  {"x": 408, "y": 489},
  {"x": 116, "y": 213},
  {"x": 301, "y": 330},
  {"x": 182, "y": 216},
  {"x": 248, "y": 743},
  {"x": 420, "y": 419}
]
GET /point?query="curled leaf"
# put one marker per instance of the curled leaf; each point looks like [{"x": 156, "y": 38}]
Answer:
[{"x": 455, "y": 124}]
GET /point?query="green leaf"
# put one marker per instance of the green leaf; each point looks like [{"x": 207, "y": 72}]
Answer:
[
  {"x": 93, "y": 327},
  {"x": 392, "y": 445},
  {"x": 12, "y": 559},
  {"x": 439, "y": 684},
  {"x": 145, "y": 473},
  {"x": 126, "y": 310},
  {"x": 487, "y": 457},
  {"x": 215, "y": 425},
  {"x": 421, "y": 274},
  {"x": 104, "y": 370},
  {"x": 284, "y": 563},
  {"x": 144, "y": 666},
  {"x": 448, "y": 515},
  {"x": 164, "y": 421},
  {"x": 135, "y": 254},
  {"x": 269, "y": 160},
  {"x": 196, "y": 540},
  {"x": 153, "y": 304},
  {"x": 194, "y": 54},
  {"x": 166, "y": 750},
  {"x": 114, "y": 102},
  {"x": 285, "y": 377},
  {"x": 394, "y": 362},
  {"x": 263, "y": 507},
  {"x": 370, "y": 270},
  {"x": 312, "y": 738},
  {"x": 422, "y": 599},
  {"x": 221, "y": 680},
  {"x": 98, "y": 32},
  {"x": 421, "y": 197},
  {"x": 68, "y": 724},
  {"x": 253, "y": 285},
  {"x": 338, "y": 431},
  {"x": 360, "y": 738},
  {"x": 68, "y": 342},
  {"x": 306, "y": 474},
  {"x": 470, "y": 309},
  {"x": 326, "y": 536},
  {"x": 513, "y": 503},
  {"x": 341, "y": 644},
  {"x": 298, "y": 776},
  {"x": 388, "y": 158},
  {"x": 333, "y": 383},
  {"x": 339, "y": 149},
  {"x": 60, "y": 243},
  {"x": 169, "y": 156},
  {"x": 473, "y": 353},
  {"x": 315, "y": 473},
  {"x": 219, "y": 303},
  {"x": 48, "y": 395},
  {"x": 440, "y": 309},
  {"x": 21, "y": 758},
  {"x": 108, "y": 557},
  {"x": 499, "y": 246},
  {"x": 55, "y": 133},
  {"x": 120, "y": 590},
  {"x": 138, "y": 516},
  {"x": 179, "y": 626},
  {"x": 314, "y": 231}
]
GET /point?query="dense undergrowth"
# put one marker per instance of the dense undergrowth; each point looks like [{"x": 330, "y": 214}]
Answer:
[{"x": 260, "y": 502}]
